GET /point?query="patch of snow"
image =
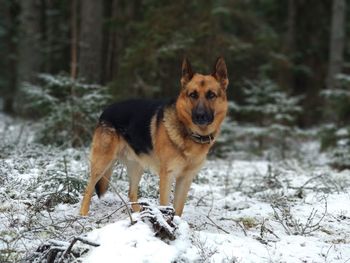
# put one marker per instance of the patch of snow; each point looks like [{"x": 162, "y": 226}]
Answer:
[
  {"x": 228, "y": 216},
  {"x": 122, "y": 242}
]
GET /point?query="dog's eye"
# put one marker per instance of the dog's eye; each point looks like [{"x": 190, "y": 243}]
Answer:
[
  {"x": 193, "y": 95},
  {"x": 210, "y": 95}
]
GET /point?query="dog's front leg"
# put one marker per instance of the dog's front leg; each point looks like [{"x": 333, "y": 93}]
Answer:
[
  {"x": 182, "y": 187},
  {"x": 165, "y": 180}
]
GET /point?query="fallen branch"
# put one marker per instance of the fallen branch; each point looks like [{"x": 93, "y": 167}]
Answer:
[
  {"x": 219, "y": 227},
  {"x": 55, "y": 251},
  {"x": 128, "y": 210},
  {"x": 85, "y": 241},
  {"x": 161, "y": 219}
]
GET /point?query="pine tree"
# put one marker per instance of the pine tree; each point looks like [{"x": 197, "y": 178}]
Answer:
[
  {"x": 68, "y": 109},
  {"x": 273, "y": 110},
  {"x": 336, "y": 138}
]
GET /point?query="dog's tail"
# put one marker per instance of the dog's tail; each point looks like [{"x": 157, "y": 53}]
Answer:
[{"x": 102, "y": 185}]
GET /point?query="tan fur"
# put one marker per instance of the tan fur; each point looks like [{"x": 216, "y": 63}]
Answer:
[
  {"x": 105, "y": 145},
  {"x": 175, "y": 155}
]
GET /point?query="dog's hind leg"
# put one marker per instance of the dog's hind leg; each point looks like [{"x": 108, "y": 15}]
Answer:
[
  {"x": 105, "y": 146},
  {"x": 134, "y": 173}
]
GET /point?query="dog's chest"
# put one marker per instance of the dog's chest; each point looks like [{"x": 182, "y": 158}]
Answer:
[{"x": 175, "y": 164}]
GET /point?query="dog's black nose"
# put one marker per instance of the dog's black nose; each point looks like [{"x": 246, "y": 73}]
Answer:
[{"x": 202, "y": 117}]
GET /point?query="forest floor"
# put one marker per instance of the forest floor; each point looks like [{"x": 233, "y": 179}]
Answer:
[{"x": 238, "y": 209}]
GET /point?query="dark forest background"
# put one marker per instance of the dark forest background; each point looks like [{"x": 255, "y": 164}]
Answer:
[
  {"x": 135, "y": 48},
  {"x": 273, "y": 173}
]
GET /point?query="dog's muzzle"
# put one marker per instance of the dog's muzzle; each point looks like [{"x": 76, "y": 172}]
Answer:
[{"x": 202, "y": 116}]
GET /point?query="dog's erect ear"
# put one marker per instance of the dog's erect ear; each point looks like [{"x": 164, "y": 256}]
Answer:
[
  {"x": 187, "y": 72},
  {"x": 220, "y": 72}
]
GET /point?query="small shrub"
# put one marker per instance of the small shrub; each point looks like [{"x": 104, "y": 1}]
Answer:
[
  {"x": 340, "y": 154},
  {"x": 267, "y": 104},
  {"x": 292, "y": 225},
  {"x": 269, "y": 116},
  {"x": 338, "y": 101},
  {"x": 248, "y": 222},
  {"x": 337, "y": 142},
  {"x": 336, "y": 138},
  {"x": 68, "y": 109},
  {"x": 328, "y": 137}
]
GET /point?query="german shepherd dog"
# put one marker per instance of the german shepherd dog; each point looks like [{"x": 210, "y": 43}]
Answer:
[{"x": 171, "y": 138}]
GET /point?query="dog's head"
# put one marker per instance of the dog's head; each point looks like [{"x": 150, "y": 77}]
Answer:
[{"x": 202, "y": 103}]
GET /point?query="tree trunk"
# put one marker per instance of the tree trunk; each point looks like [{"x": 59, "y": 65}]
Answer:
[
  {"x": 74, "y": 39},
  {"x": 9, "y": 15},
  {"x": 90, "y": 53},
  {"x": 337, "y": 40},
  {"x": 290, "y": 37},
  {"x": 30, "y": 56},
  {"x": 112, "y": 45},
  {"x": 285, "y": 73}
]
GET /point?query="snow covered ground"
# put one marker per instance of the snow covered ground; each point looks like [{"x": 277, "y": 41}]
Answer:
[{"x": 250, "y": 210}]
